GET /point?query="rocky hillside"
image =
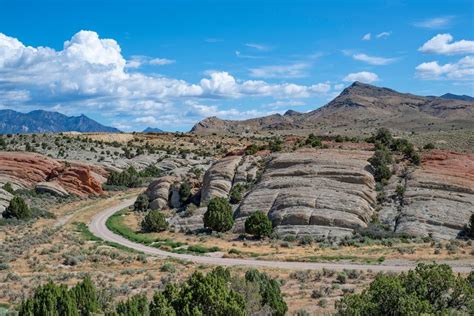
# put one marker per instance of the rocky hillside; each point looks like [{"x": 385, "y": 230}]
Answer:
[
  {"x": 12, "y": 122},
  {"x": 360, "y": 108},
  {"x": 44, "y": 174}
]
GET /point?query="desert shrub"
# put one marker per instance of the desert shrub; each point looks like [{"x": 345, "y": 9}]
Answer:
[
  {"x": 235, "y": 195},
  {"x": 380, "y": 161},
  {"x": 269, "y": 290},
  {"x": 141, "y": 203},
  {"x": 154, "y": 221},
  {"x": 150, "y": 171},
  {"x": 428, "y": 289},
  {"x": 339, "y": 139},
  {"x": 17, "y": 209},
  {"x": 429, "y": 146},
  {"x": 383, "y": 136},
  {"x": 313, "y": 141},
  {"x": 275, "y": 145},
  {"x": 168, "y": 267},
  {"x": 129, "y": 178},
  {"x": 218, "y": 216},
  {"x": 53, "y": 299},
  {"x": 184, "y": 192},
  {"x": 137, "y": 305},
  {"x": 251, "y": 149},
  {"x": 8, "y": 187},
  {"x": 258, "y": 224}
]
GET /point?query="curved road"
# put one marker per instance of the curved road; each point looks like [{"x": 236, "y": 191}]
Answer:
[{"x": 98, "y": 228}]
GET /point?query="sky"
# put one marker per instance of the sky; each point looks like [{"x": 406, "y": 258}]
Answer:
[{"x": 168, "y": 64}]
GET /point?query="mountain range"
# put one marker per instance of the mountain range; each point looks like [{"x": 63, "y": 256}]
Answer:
[
  {"x": 360, "y": 108},
  {"x": 39, "y": 121},
  {"x": 152, "y": 130}
]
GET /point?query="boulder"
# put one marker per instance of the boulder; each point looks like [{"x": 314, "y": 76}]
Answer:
[
  {"x": 53, "y": 188},
  {"x": 158, "y": 192},
  {"x": 5, "y": 198}
]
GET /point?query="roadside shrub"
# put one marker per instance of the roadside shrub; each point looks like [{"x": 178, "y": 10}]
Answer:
[
  {"x": 218, "y": 216},
  {"x": 428, "y": 289},
  {"x": 17, "y": 209},
  {"x": 258, "y": 224},
  {"x": 141, "y": 204},
  {"x": 154, "y": 221}
]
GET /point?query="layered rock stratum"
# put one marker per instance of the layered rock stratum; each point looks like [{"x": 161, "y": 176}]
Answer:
[{"x": 27, "y": 170}]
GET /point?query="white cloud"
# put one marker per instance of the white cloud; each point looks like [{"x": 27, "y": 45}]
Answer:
[
  {"x": 461, "y": 70},
  {"x": 367, "y": 37},
  {"x": 339, "y": 86},
  {"x": 384, "y": 34},
  {"x": 284, "y": 103},
  {"x": 443, "y": 44},
  {"x": 363, "y": 76},
  {"x": 161, "y": 61},
  {"x": 373, "y": 60},
  {"x": 296, "y": 70},
  {"x": 434, "y": 23},
  {"x": 240, "y": 55},
  {"x": 259, "y": 47},
  {"x": 90, "y": 74},
  {"x": 150, "y": 120}
]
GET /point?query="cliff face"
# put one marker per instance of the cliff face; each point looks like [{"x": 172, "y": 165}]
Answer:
[{"x": 29, "y": 169}]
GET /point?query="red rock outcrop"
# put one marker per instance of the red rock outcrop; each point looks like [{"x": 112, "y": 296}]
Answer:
[{"x": 28, "y": 169}]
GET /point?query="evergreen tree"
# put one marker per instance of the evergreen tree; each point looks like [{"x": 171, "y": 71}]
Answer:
[
  {"x": 154, "y": 221},
  {"x": 218, "y": 216},
  {"x": 17, "y": 209},
  {"x": 141, "y": 203},
  {"x": 258, "y": 224}
]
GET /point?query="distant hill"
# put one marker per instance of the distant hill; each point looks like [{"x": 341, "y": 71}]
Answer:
[
  {"x": 12, "y": 122},
  {"x": 463, "y": 97},
  {"x": 152, "y": 130},
  {"x": 359, "y": 109}
]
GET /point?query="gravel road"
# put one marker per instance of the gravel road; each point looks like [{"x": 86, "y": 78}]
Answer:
[{"x": 98, "y": 228}]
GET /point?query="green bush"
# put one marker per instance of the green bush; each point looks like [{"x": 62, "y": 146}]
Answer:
[
  {"x": 429, "y": 289},
  {"x": 17, "y": 209},
  {"x": 258, "y": 224},
  {"x": 269, "y": 290},
  {"x": 429, "y": 146},
  {"x": 218, "y": 216},
  {"x": 184, "y": 192},
  {"x": 313, "y": 141},
  {"x": 251, "y": 150},
  {"x": 380, "y": 161},
  {"x": 235, "y": 195},
  {"x": 141, "y": 203},
  {"x": 129, "y": 178},
  {"x": 8, "y": 187},
  {"x": 154, "y": 221},
  {"x": 470, "y": 227}
]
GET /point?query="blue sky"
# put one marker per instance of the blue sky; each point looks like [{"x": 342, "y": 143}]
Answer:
[{"x": 168, "y": 64}]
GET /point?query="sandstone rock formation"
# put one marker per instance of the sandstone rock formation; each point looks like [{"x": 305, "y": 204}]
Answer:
[
  {"x": 27, "y": 169},
  {"x": 53, "y": 188},
  {"x": 218, "y": 179},
  {"x": 439, "y": 197},
  {"x": 158, "y": 192},
  {"x": 321, "y": 192},
  {"x": 5, "y": 198}
]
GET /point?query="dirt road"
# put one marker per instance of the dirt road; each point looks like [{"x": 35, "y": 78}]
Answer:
[{"x": 98, "y": 228}]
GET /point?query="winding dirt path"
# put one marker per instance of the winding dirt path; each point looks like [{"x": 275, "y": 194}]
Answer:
[{"x": 99, "y": 228}]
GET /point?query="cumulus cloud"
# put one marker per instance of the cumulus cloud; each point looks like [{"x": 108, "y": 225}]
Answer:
[
  {"x": 90, "y": 72},
  {"x": 296, "y": 70},
  {"x": 435, "y": 23},
  {"x": 461, "y": 70},
  {"x": 373, "y": 60},
  {"x": 367, "y": 37},
  {"x": 161, "y": 61},
  {"x": 384, "y": 34},
  {"x": 443, "y": 44},
  {"x": 363, "y": 76}
]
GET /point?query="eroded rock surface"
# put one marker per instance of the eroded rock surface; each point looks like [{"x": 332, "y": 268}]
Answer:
[
  {"x": 218, "y": 179},
  {"x": 28, "y": 169},
  {"x": 158, "y": 192},
  {"x": 323, "y": 192},
  {"x": 439, "y": 197}
]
